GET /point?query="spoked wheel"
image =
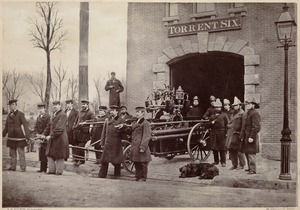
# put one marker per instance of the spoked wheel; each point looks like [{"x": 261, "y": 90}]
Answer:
[
  {"x": 197, "y": 144},
  {"x": 125, "y": 144},
  {"x": 128, "y": 163}
]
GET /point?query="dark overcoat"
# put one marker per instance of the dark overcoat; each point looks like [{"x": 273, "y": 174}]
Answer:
[
  {"x": 13, "y": 128},
  {"x": 233, "y": 141},
  {"x": 83, "y": 134},
  {"x": 40, "y": 126},
  {"x": 70, "y": 123},
  {"x": 218, "y": 131},
  {"x": 196, "y": 111},
  {"x": 209, "y": 112},
  {"x": 58, "y": 143},
  {"x": 114, "y": 93},
  {"x": 111, "y": 139},
  {"x": 252, "y": 127},
  {"x": 141, "y": 134},
  {"x": 97, "y": 130}
]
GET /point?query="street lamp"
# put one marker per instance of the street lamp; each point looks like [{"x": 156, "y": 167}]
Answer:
[{"x": 285, "y": 25}]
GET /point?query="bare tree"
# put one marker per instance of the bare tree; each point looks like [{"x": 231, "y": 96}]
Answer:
[
  {"x": 11, "y": 85},
  {"x": 37, "y": 82},
  {"x": 47, "y": 34},
  {"x": 72, "y": 87},
  {"x": 60, "y": 74},
  {"x": 98, "y": 85}
]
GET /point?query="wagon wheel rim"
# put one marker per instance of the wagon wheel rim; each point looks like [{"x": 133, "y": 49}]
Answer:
[
  {"x": 128, "y": 163},
  {"x": 197, "y": 140}
]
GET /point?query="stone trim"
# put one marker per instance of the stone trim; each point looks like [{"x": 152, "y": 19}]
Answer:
[{"x": 221, "y": 43}]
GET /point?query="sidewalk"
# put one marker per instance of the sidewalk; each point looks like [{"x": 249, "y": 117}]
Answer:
[{"x": 168, "y": 170}]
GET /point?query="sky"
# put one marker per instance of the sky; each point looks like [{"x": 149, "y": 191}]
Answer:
[{"x": 107, "y": 41}]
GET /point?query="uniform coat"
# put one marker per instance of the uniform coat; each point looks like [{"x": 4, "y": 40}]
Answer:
[
  {"x": 209, "y": 112},
  {"x": 111, "y": 139},
  {"x": 58, "y": 143},
  {"x": 196, "y": 111},
  {"x": 141, "y": 134},
  {"x": 97, "y": 130},
  {"x": 13, "y": 129},
  {"x": 40, "y": 126},
  {"x": 84, "y": 130},
  {"x": 218, "y": 131},
  {"x": 114, "y": 93},
  {"x": 233, "y": 141},
  {"x": 70, "y": 123},
  {"x": 252, "y": 127}
]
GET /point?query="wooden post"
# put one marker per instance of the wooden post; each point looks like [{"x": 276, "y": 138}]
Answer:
[{"x": 83, "y": 52}]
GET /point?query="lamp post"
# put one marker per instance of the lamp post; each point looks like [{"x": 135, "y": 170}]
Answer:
[{"x": 285, "y": 25}]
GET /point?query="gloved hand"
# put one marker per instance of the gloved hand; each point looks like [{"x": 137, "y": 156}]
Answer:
[
  {"x": 141, "y": 150},
  {"x": 250, "y": 140}
]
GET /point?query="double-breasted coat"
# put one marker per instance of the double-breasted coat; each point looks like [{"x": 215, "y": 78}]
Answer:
[
  {"x": 83, "y": 134},
  {"x": 233, "y": 141},
  {"x": 111, "y": 139},
  {"x": 58, "y": 143},
  {"x": 114, "y": 92},
  {"x": 40, "y": 125},
  {"x": 70, "y": 123},
  {"x": 218, "y": 131},
  {"x": 251, "y": 129},
  {"x": 13, "y": 128},
  {"x": 141, "y": 134}
]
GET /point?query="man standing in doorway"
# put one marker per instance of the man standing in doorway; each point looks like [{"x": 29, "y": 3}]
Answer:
[
  {"x": 16, "y": 139},
  {"x": 115, "y": 87},
  {"x": 250, "y": 135}
]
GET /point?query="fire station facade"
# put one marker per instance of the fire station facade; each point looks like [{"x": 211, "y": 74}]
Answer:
[{"x": 220, "y": 49}]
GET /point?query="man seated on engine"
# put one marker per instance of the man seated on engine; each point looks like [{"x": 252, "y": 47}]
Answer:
[{"x": 196, "y": 110}]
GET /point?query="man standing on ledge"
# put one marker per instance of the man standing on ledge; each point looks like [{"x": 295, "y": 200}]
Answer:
[
  {"x": 16, "y": 140},
  {"x": 115, "y": 87}
]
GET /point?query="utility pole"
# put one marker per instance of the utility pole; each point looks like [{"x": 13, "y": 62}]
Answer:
[{"x": 83, "y": 51}]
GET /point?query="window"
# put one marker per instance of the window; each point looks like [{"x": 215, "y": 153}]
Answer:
[
  {"x": 205, "y": 7},
  {"x": 173, "y": 9},
  {"x": 171, "y": 15},
  {"x": 203, "y": 10},
  {"x": 237, "y": 8}
]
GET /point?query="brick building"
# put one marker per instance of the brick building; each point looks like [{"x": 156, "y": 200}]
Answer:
[{"x": 221, "y": 49}]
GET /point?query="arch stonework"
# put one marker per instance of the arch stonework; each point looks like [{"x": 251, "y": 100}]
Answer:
[{"x": 204, "y": 45}]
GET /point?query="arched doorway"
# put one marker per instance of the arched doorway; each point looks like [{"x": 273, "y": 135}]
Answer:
[{"x": 214, "y": 73}]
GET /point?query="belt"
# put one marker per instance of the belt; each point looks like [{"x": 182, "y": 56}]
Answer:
[{"x": 16, "y": 139}]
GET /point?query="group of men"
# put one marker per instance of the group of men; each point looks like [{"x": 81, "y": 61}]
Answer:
[{"x": 233, "y": 130}]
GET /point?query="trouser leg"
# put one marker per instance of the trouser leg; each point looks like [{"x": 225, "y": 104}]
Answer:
[
  {"x": 51, "y": 165},
  {"x": 117, "y": 169},
  {"x": 13, "y": 158},
  {"x": 247, "y": 159},
  {"x": 252, "y": 162},
  {"x": 81, "y": 152},
  {"x": 241, "y": 158},
  {"x": 103, "y": 170},
  {"x": 138, "y": 170},
  {"x": 21, "y": 151},
  {"x": 144, "y": 169},
  {"x": 233, "y": 156},
  {"x": 43, "y": 166},
  {"x": 216, "y": 156},
  {"x": 223, "y": 156},
  {"x": 60, "y": 165}
]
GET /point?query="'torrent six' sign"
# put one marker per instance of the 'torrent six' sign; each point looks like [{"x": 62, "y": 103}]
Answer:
[{"x": 223, "y": 24}]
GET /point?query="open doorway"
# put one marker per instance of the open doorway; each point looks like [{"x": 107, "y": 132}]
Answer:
[{"x": 214, "y": 73}]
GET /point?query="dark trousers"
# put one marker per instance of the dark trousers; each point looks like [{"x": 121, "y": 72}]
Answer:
[
  {"x": 98, "y": 154},
  {"x": 104, "y": 168},
  {"x": 141, "y": 169},
  {"x": 222, "y": 156},
  {"x": 80, "y": 153},
  {"x": 43, "y": 158}
]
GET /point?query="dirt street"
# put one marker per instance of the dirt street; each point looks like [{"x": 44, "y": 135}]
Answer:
[{"x": 31, "y": 189}]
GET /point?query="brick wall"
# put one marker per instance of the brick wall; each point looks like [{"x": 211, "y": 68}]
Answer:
[{"x": 147, "y": 37}]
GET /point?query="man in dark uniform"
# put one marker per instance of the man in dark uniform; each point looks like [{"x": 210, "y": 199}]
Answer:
[
  {"x": 124, "y": 113},
  {"x": 115, "y": 87},
  {"x": 72, "y": 114},
  {"x": 16, "y": 139},
  {"x": 96, "y": 135},
  {"x": 41, "y": 123},
  {"x": 196, "y": 110},
  {"x": 111, "y": 140},
  {"x": 83, "y": 134},
  {"x": 211, "y": 110}
]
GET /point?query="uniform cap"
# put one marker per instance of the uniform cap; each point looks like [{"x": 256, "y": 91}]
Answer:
[
  {"x": 236, "y": 101},
  {"x": 218, "y": 103},
  {"x": 123, "y": 107},
  {"x": 139, "y": 108},
  {"x": 41, "y": 105},
  {"x": 226, "y": 101},
  {"x": 212, "y": 98},
  {"x": 102, "y": 108},
  {"x": 195, "y": 98},
  {"x": 252, "y": 101},
  {"x": 12, "y": 101},
  {"x": 69, "y": 101},
  {"x": 55, "y": 102},
  {"x": 114, "y": 107},
  {"x": 85, "y": 101}
]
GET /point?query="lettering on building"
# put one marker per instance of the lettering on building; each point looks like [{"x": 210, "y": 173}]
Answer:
[{"x": 224, "y": 24}]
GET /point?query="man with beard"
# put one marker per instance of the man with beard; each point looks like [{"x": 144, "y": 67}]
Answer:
[
  {"x": 83, "y": 134},
  {"x": 196, "y": 110},
  {"x": 41, "y": 123},
  {"x": 56, "y": 135},
  {"x": 111, "y": 140},
  {"x": 72, "y": 114},
  {"x": 233, "y": 140},
  {"x": 16, "y": 139},
  {"x": 96, "y": 135}
]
